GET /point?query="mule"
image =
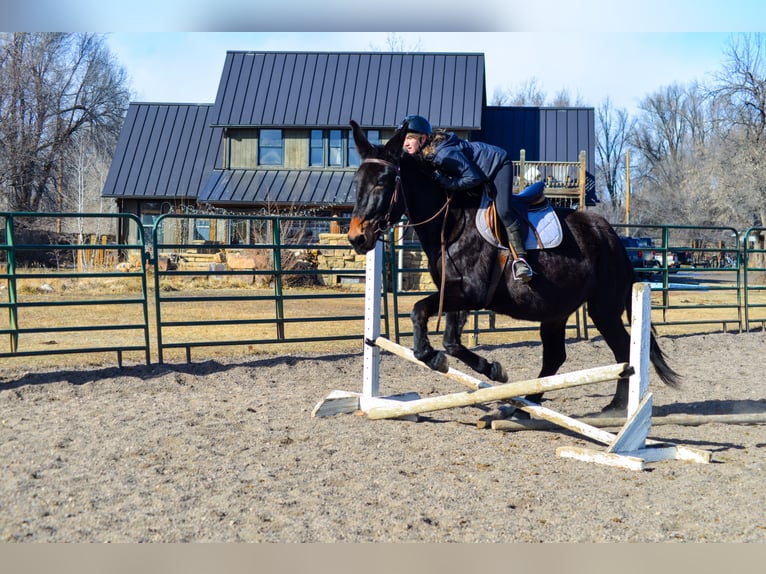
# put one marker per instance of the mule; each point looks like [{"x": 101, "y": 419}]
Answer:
[{"x": 590, "y": 265}]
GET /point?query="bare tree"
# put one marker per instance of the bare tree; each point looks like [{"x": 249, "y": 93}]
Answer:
[
  {"x": 396, "y": 43},
  {"x": 613, "y": 128},
  {"x": 673, "y": 163},
  {"x": 528, "y": 94},
  {"x": 741, "y": 95},
  {"x": 563, "y": 99},
  {"x": 53, "y": 86}
]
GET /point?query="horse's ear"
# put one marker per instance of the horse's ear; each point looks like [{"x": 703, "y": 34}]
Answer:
[
  {"x": 363, "y": 145},
  {"x": 395, "y": 144}
]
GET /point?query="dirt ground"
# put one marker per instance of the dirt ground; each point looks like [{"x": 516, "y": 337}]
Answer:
[{"x": 227, "y": 450}]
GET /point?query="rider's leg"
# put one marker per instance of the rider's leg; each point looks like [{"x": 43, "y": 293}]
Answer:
[
  {"x": 503, "y": 185},
  {"x": 520, "y": 267}
]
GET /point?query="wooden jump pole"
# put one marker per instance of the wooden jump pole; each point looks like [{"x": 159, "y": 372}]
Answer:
[
  {"x": 608, "y": 422},
  {"x": 340, "y": 401},
  {"x": 408, "y": 355},
  {"x": 500, "y": 392}
]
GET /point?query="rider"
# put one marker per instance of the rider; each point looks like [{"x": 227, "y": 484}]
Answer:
[{"x": 461, "y": 165}]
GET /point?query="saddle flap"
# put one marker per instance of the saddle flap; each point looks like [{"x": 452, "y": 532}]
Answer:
[{"x": 542, "y": 226}]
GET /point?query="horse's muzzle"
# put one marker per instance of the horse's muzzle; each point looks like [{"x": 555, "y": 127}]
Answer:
[{"x": 358, "y": 235}]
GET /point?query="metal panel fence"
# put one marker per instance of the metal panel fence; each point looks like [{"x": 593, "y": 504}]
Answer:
[
  {"x": 65, "y": 291},
  {"x": 754, "y": 277},
  {"x": 255, "y": 281},
  {"x": 696, "y": 274},
  {"x": 226, "y": 280}
]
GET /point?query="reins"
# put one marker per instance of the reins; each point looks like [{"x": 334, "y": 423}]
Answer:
[{"x": 444, "y": 208}]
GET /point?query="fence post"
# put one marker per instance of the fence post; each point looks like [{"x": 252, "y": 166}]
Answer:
[{"x": 276, "y": 241}]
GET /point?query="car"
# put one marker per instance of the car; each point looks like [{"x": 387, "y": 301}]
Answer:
[
  {"x": 684, "y": 256},
  {"x": 672, "y": 260},
  {"x": 642, "y": 255},
  {"x": 655, "y": 257},
  {"x": 647, "y": 252},
  {"x": 634, "y": 251}
]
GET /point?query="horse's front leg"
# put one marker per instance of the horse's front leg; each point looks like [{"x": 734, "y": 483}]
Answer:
[
  {"x": 422, "y": 311},
  {"x": 453, "y": 332}
]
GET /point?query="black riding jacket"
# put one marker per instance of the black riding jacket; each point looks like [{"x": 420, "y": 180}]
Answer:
[{"x": 462, "y": 164}]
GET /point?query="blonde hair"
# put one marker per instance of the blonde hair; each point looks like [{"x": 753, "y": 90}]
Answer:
[{"x": 438, "y": 136}]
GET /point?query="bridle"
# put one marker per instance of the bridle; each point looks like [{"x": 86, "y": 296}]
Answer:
[
  {"x": 395, "y": 198},
  {"x": 388, "y": 223},
  {"x": 397, "y": 188}
]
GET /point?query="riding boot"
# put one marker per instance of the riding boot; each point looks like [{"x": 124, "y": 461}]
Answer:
[{"x": 519, "y": 268}]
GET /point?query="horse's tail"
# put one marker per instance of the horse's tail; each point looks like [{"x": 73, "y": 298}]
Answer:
[
  {"x": 657, "y": 358},
  {"x": 666, "y": 373}
]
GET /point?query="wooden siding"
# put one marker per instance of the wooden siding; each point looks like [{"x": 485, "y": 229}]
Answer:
[{"x": 176, "y": 151}]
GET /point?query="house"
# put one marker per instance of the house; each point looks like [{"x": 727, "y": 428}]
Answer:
[{"x": 278, "y": 136}]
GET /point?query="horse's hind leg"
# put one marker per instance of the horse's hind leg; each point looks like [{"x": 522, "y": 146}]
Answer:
[
  {"x": 453, "y": 331},
  {"x": 617, "y": 337},
  {"x": 553, "y": 337}
]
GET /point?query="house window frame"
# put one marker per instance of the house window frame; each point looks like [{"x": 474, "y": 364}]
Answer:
[
  {"x": 244, "y": 148},
  {"x": 264, "y": 150},
  {"x": 345, "y": 149}
]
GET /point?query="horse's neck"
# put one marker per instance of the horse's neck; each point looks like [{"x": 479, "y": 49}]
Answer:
[
  {"x": 432, "y": 231},
  {"x": 426, "y": 204}
]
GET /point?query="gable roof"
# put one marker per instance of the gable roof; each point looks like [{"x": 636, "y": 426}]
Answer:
[
  {"x": 165, "y": 151},
  {"x": 326, "y": 89}
]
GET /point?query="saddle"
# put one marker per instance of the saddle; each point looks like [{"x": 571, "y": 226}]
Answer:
[{"x": 540, "y": 226}]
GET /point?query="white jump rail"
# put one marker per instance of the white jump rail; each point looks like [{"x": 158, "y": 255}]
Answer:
[{"x": 630, "y": 448}]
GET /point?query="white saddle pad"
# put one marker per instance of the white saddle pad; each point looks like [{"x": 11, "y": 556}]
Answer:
[{"x": 544, "y": 220}]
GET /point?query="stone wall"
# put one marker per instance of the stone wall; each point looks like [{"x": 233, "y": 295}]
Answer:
[{"x": 339, "y": 259}]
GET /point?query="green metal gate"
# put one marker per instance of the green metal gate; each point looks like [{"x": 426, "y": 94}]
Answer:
[
  {"x": 222, "y": 280},
  {"x": 79, "y": 296},
  {"x": 754, "y": 272}
]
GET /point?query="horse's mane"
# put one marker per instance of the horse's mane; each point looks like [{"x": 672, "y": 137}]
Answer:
[{"x": 416, "y": 175}]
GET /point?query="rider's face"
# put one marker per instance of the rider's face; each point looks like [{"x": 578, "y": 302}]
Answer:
[{"x": 413, "y": 142}]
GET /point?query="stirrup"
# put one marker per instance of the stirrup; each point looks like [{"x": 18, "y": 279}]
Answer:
[{"x": 521, "y": 276}]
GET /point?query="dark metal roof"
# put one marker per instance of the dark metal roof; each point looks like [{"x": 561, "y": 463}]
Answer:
[
  {"x": 545, "y": 134},
  {"x": 164, "y": 151},
  {"x": 329, "y": 89},
  {"x": 279, "y": 187}
]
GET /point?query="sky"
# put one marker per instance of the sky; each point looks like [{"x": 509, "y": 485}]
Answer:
[
  {"x": 625, "y": 67},
  {"x": 174, "y": 51}
]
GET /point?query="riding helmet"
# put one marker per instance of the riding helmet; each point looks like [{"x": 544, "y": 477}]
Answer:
[{"x": 417, "y": 124}]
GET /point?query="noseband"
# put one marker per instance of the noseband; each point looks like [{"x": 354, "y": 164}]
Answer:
[{"x": 397, "y": 187}]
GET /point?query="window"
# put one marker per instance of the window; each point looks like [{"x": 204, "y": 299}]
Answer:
[
  {"x": 316, "y": 148},
  {"x": 201, "y": 230},
  {"x": 150, "y": 212},
  {"x": 270, "y": 148},
  {"x": 336, "y": 148}
]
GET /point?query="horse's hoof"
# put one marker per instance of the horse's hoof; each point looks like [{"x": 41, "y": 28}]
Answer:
[
  {"x": 613, "y": 410},
  {"x": 497, "y": 373},
  {"x": 438, "y": 362},
  {"x": 520, "y": 415}
]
